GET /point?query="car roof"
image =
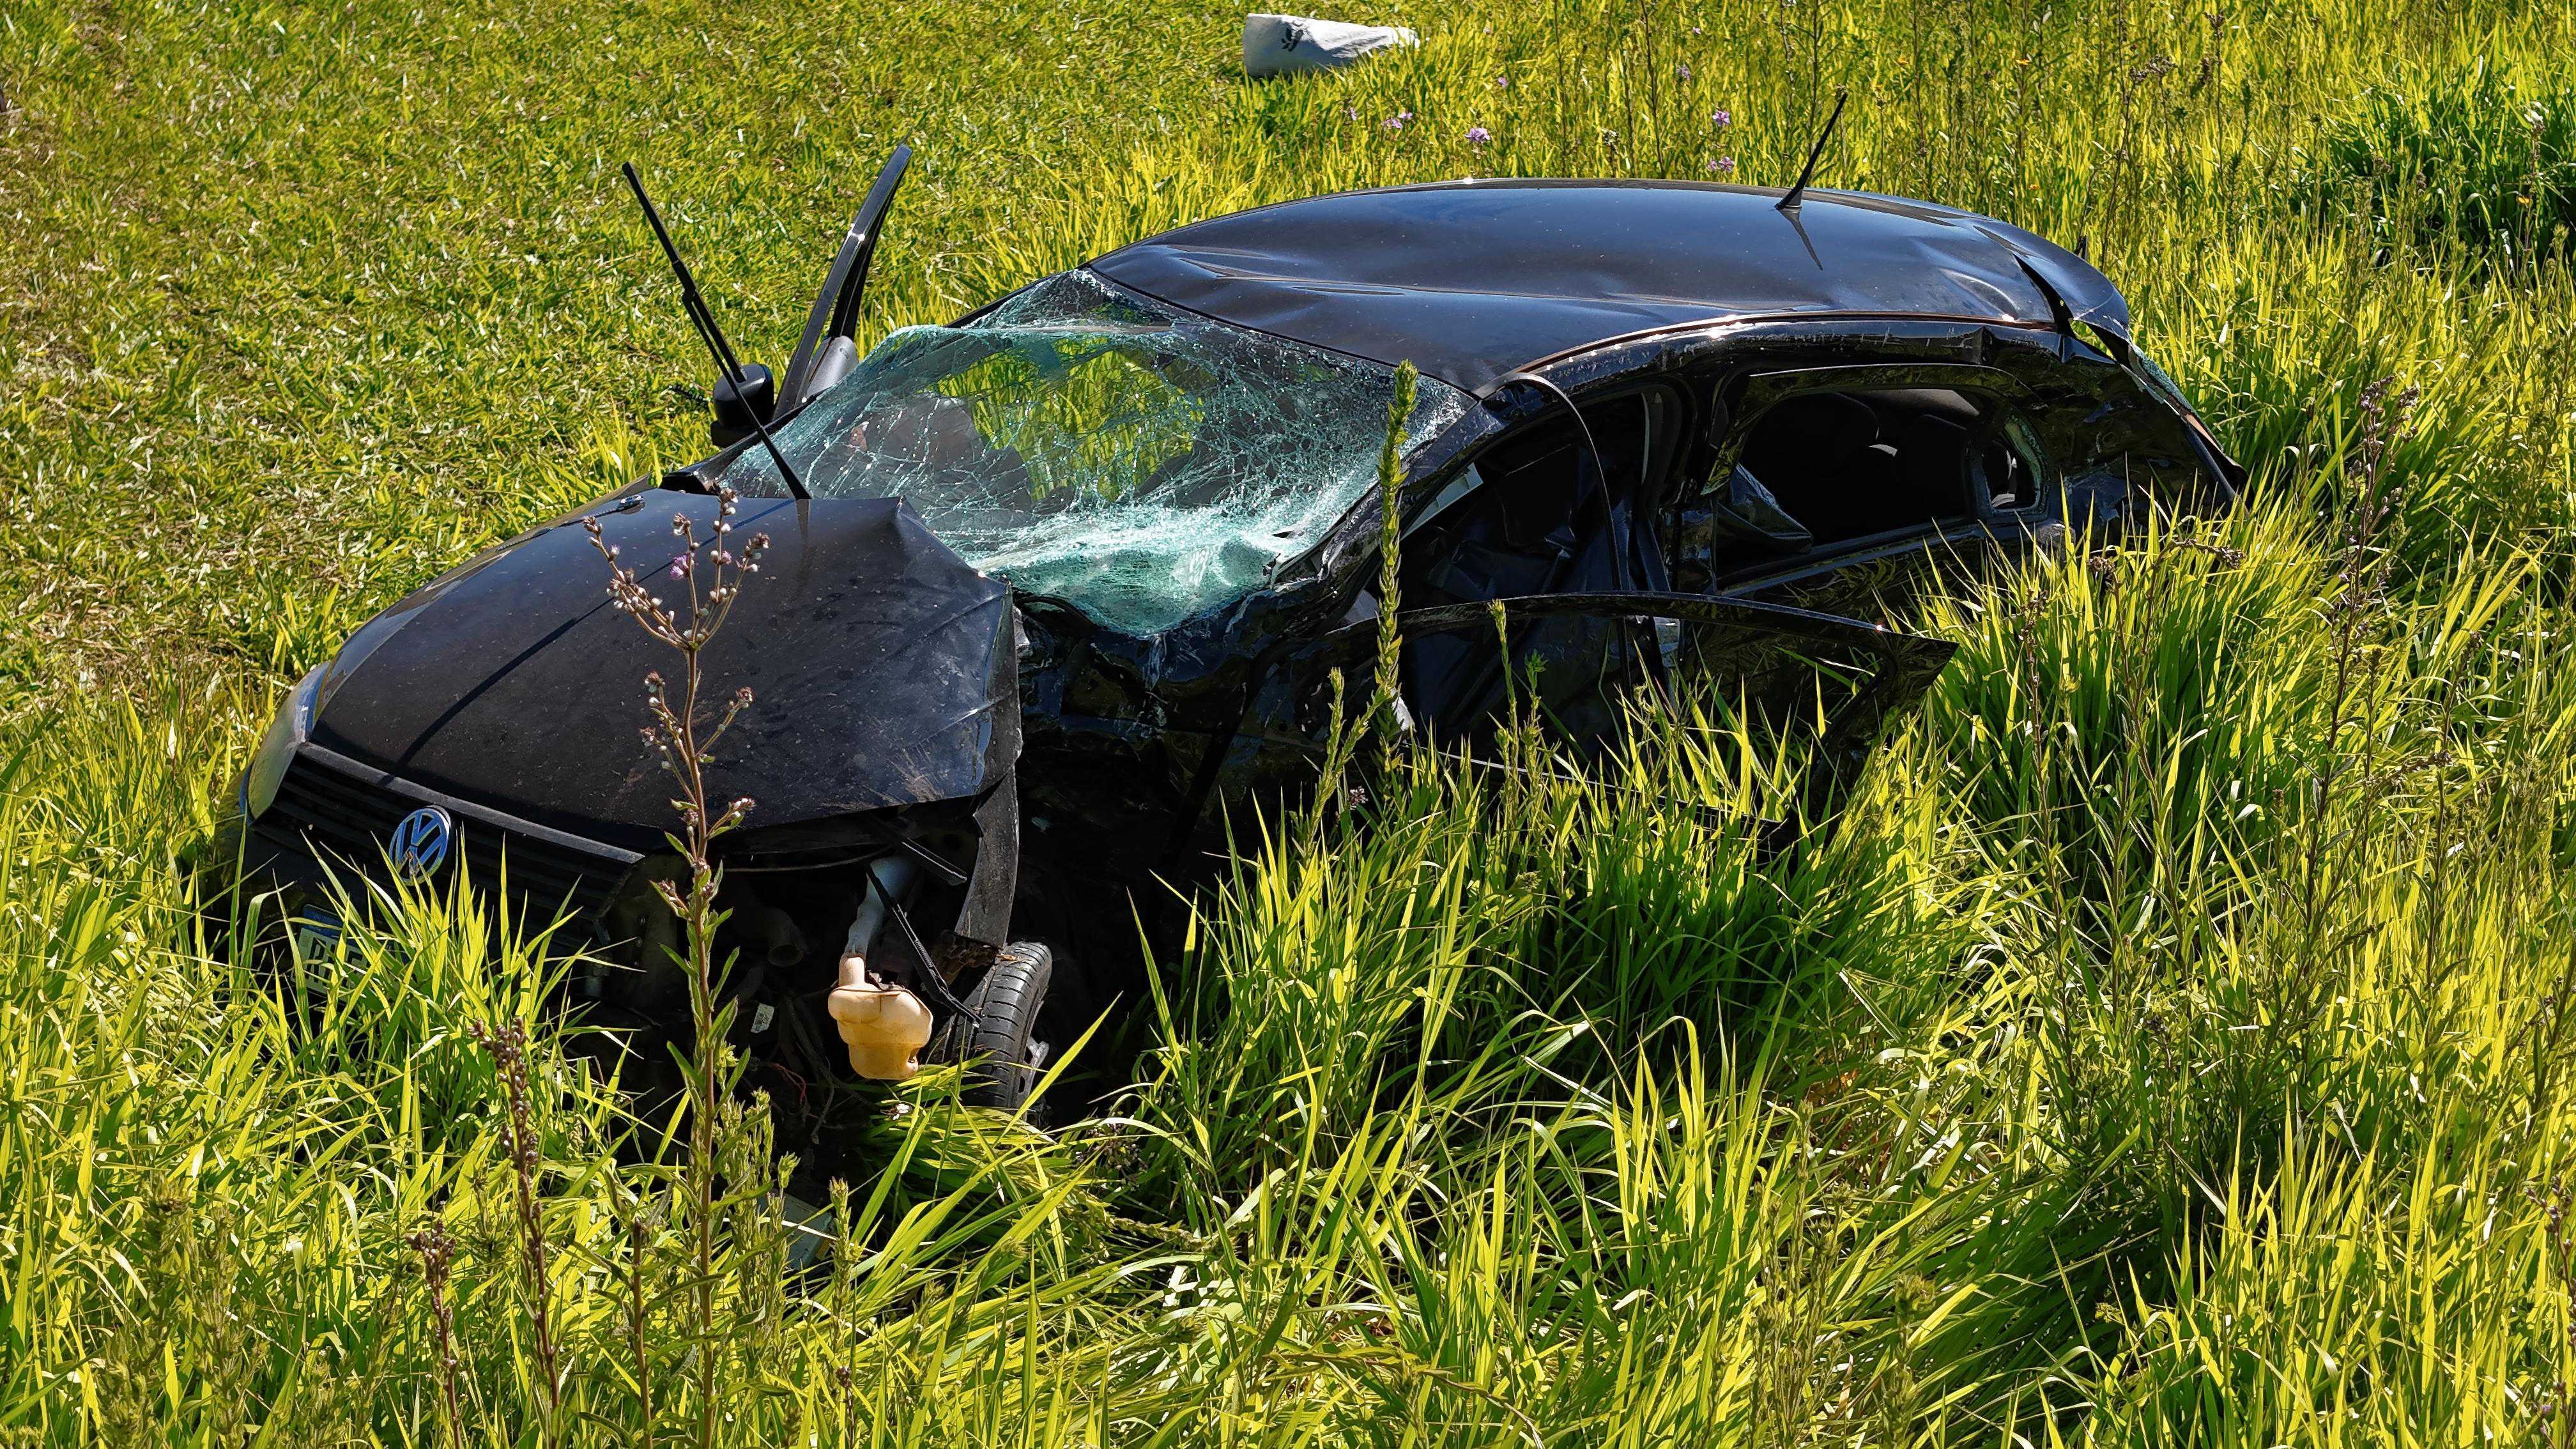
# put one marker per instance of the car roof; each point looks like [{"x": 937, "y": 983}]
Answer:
[{"x": 1472, "y": 280}]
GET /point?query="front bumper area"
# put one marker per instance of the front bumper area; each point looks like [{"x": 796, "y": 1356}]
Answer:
[{"x": 335, "y": 818}]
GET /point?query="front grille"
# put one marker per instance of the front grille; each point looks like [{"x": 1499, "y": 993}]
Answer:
[{"x": 342, "y": 814}]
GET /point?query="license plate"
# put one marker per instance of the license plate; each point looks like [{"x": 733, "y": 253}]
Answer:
[{"x": 317, "y": 933}]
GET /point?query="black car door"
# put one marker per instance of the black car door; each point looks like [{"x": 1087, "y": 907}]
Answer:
[{"x": 1539, "y": 588}]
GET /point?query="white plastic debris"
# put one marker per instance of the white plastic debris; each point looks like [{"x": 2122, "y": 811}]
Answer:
[{"x": 1287, "y": 44}]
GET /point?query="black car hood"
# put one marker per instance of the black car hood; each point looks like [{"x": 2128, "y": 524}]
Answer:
[{"x": 881, "y": 664}]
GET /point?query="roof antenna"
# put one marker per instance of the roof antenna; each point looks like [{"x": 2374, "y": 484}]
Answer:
[
  {"x": 1797, "y": 196},
  {"x": 704, "y": 319}
]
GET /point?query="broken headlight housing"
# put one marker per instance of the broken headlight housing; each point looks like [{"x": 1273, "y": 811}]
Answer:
[{"x": 277, "y": 748}]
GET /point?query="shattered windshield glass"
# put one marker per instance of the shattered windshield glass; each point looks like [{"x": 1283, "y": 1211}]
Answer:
[{"x": 1144, "y": 463}]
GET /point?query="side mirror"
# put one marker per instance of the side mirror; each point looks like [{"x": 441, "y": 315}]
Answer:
[
  {"x": 1742, "y": 508},
  {"x": 737, "y": 406}
]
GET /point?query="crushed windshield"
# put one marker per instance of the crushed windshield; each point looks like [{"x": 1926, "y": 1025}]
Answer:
[{"x": 1144, "y": 463}]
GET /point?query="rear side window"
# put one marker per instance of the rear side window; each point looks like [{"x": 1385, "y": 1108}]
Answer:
[{"x": 1851, "y": 464}]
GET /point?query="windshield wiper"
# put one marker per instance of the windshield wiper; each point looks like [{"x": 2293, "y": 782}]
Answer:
[{"x": 712, "y": 335}]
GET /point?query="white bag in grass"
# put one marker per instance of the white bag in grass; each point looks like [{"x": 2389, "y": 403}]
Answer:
[{"x": 1287, "y": 44}]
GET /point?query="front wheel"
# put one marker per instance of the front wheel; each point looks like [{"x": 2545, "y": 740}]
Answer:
[{"x": 1003, "y": 1051}]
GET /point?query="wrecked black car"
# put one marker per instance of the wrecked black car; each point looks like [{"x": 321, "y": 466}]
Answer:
[{"x": 1074, "y": 571}]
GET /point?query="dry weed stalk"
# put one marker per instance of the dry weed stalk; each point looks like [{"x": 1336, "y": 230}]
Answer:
[{"x": 711, "y": 572}]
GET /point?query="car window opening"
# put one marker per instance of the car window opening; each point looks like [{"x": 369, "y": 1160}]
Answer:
[
  {"x": 1528, "y": 517},
  {"x": 1848, "y": 465},
  {"x": 1533, "y": 517}
]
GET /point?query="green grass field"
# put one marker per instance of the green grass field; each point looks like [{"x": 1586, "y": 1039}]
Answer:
[{"x": 2176, "y": 1046}]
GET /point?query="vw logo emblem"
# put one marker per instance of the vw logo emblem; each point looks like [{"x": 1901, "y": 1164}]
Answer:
[{"x": 419, "y": 843}]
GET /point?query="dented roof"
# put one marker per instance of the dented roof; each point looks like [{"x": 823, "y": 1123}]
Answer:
[{"x": 1472, "y": 280}]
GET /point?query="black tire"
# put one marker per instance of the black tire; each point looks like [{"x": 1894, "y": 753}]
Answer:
[{"x": 1003, "y": 1051}]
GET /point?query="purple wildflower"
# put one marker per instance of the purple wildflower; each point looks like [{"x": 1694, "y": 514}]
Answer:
[
  {"x": 680, "y": 565},
  {"x": 1721, "y": 117},
  {"x": 1722, "y": 166},
  {"x": 1478, "y": 135}
]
